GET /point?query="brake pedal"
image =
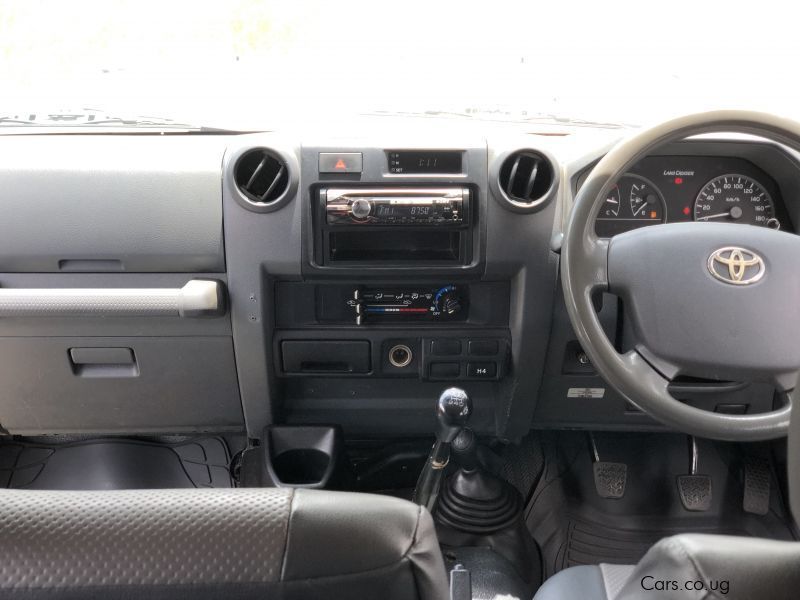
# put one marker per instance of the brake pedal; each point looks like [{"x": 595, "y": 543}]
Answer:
[
  {"x": 757, "y": 478},
  {"x": 610, "y": 478},
  {"x": 695, "y": 490}
]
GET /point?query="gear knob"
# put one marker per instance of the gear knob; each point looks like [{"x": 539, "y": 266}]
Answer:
[{"x": 453, "y": 410}]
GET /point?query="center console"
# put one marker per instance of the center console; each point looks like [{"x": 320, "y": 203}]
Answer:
[
  {"x": 367, "y": 273},
  {"x": 392, "y": 301}
]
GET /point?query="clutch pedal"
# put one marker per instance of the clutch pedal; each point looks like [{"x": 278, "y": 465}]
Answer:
[{"x": 610, "y": 478}]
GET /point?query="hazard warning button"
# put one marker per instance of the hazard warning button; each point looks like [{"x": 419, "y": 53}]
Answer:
[{"x": 340, "y": 162}]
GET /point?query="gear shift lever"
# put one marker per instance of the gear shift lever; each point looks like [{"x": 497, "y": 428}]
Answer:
[{"x": 453, "y": 410}]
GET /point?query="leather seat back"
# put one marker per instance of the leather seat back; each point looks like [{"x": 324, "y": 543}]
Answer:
[{"x": 272, "y": 543}]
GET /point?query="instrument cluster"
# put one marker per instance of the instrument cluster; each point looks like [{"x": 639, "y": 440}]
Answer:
[{"x": 671, "y": 189}]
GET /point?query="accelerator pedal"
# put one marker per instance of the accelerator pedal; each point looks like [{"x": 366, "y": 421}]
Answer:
[{"x": 757, "y": 485}]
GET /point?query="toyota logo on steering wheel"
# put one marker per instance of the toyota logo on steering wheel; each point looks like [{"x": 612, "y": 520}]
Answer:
[{"x": 736, "y": 266}]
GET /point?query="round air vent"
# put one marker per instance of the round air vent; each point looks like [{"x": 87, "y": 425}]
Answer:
[
  {"x": 527, "y": 180},
  {"x": 262, "y": 177}
]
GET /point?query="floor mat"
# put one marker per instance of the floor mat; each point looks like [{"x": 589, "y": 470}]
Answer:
[
  {"x": 574, "y": 525},
  {"x": 523, "y": 463},
  {"x": 115, "y": 464},
  {"x": 590, "y": 543}
]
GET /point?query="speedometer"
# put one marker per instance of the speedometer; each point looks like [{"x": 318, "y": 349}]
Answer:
[{"x": 735, "y": 199}]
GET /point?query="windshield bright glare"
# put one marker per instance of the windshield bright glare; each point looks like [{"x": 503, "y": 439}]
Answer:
[{"x": 221, "y": 62}]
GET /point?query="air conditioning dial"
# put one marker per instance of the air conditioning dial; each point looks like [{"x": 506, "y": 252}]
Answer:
[{"x": 448, "y": 300}]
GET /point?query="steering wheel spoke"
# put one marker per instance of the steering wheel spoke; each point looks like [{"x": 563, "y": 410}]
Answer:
[
  {"x": 596, "y": 263},
  {"x": 649, "y": 378}
]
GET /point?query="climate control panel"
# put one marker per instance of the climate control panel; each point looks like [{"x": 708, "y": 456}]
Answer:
[
  {"x": 423, "y": 305},
  {"x": 392, "y": 303},
  {"x": 418, "y": 303}
]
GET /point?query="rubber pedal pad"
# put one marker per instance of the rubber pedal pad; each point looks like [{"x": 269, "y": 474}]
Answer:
[
  {"x": 610, "y": 479},
  {"x": 757, "y": 478},
  {"x": 695, "y": 492}
]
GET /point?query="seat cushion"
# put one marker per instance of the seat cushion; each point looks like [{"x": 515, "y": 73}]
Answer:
[
  {"x": 699, "y": 567},
  {"x": 587, "y": 582},
  {"x": 212, "y": 543},
  {"x": 702, "y": 567}
]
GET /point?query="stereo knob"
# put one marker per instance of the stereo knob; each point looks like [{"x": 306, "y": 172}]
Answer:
[{"x": 360, "y": 208}]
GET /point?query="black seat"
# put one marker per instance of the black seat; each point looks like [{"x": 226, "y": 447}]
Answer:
[
  {"x": 231, "y": 544},
  {"x": 689, "y": 566}
]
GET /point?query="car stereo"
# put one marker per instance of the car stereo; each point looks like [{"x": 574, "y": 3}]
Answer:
[
  {"x": 397, "y": 206},
  {"x": 394, "y": 225}
]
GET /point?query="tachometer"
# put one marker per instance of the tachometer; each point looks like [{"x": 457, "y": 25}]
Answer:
[{"x": 735, "y": 198}]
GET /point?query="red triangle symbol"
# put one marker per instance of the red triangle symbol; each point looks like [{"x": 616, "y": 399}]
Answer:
[{"x": 340, "y": 164}]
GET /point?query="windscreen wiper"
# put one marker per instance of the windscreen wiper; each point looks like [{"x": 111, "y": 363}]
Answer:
[
  {"x": 16, "y": 121},
  {"x": 503, "y": 116},
  {"x": 90, "y": 118},
  {"x": 577, "y": 122},
  {"x": 138, "y": 122},
  {"x": 86, "y": 117}
]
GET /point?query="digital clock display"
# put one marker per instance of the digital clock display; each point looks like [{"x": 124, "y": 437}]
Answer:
[{"x": 420, "y": 162}]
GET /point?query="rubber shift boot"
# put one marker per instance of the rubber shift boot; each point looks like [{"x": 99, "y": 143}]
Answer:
[{"x": 477, "y": 502}]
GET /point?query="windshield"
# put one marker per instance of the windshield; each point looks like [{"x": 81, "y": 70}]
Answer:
[{"x": 262, "y": 63}]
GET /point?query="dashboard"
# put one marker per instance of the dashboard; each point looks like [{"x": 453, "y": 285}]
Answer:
[{"x": 361, "y": 274}]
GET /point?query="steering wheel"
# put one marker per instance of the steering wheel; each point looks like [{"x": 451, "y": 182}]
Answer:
[{"x": 713, "y": 300}]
